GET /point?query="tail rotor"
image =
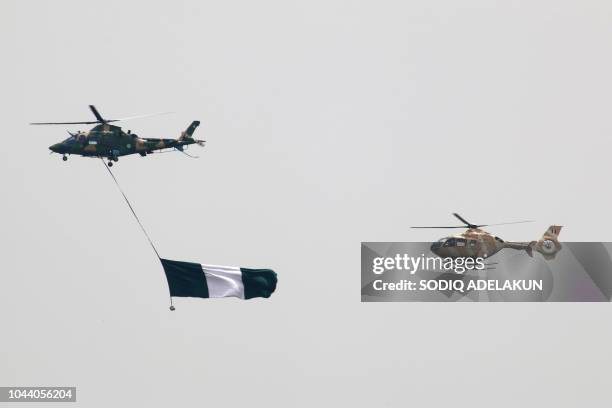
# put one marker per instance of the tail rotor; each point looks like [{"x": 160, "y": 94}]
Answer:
[{"x": 549, "y": 244}]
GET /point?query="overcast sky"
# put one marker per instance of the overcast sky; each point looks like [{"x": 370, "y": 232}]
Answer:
[{"x": 328, "y": 123}]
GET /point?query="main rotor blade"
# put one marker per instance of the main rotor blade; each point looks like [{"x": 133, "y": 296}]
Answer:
[
  {"x": 139, "y": 116},
  {"x": 454, "y": 226},
  {"x": 462, "y": 219},
  {"x": 101, "y": 121},
  {"x": 96, "y": 114},
  {"x": 505, "y": 223},
  {"x": 64, "y": 123}
]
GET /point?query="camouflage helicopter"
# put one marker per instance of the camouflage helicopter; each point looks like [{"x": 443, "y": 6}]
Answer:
[
  {"x": 476, "y": 243},
  {"x": 109, "y": 141}
]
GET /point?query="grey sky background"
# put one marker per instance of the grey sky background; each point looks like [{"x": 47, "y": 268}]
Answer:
[{"x": 328, "y": 123}]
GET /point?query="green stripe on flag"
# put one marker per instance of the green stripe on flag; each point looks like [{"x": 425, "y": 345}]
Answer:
[
  {"x": 186, "y": 279},
  {"x": 258, "y": 282}
]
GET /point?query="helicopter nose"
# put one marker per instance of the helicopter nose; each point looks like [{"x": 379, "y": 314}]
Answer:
[
  {"x": 56, "y": 148},
  {"x": 435, "y": 246}
]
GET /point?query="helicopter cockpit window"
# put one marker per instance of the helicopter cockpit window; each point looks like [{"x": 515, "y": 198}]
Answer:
[
  {"x": 70, "y": 140},
  {"x": 460, "y": 242},
  {"x": 450, "y": 242},
  {"x": 439, "y": 243}
]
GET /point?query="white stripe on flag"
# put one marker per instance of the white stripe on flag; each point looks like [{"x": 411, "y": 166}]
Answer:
[{"x": 223, "y": 281}]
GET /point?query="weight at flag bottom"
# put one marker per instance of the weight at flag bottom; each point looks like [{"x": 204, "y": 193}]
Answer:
[{"x": 188, "y": 279}]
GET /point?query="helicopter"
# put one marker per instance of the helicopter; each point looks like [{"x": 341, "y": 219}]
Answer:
[
  {"x": 477, "y": 243},
  {"x": 109, "y": 141}
]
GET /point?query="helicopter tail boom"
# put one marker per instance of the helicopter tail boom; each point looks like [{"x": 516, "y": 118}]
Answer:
[{"x": 520, "y": 246}]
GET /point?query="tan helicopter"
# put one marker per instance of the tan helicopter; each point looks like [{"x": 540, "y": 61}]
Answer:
[{"x": 477, "y": 243}]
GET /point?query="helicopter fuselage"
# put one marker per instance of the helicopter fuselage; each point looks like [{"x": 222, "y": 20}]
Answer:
[
  {"x": 110, "y": 141},
  {"x": 473, "y": 243}
]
